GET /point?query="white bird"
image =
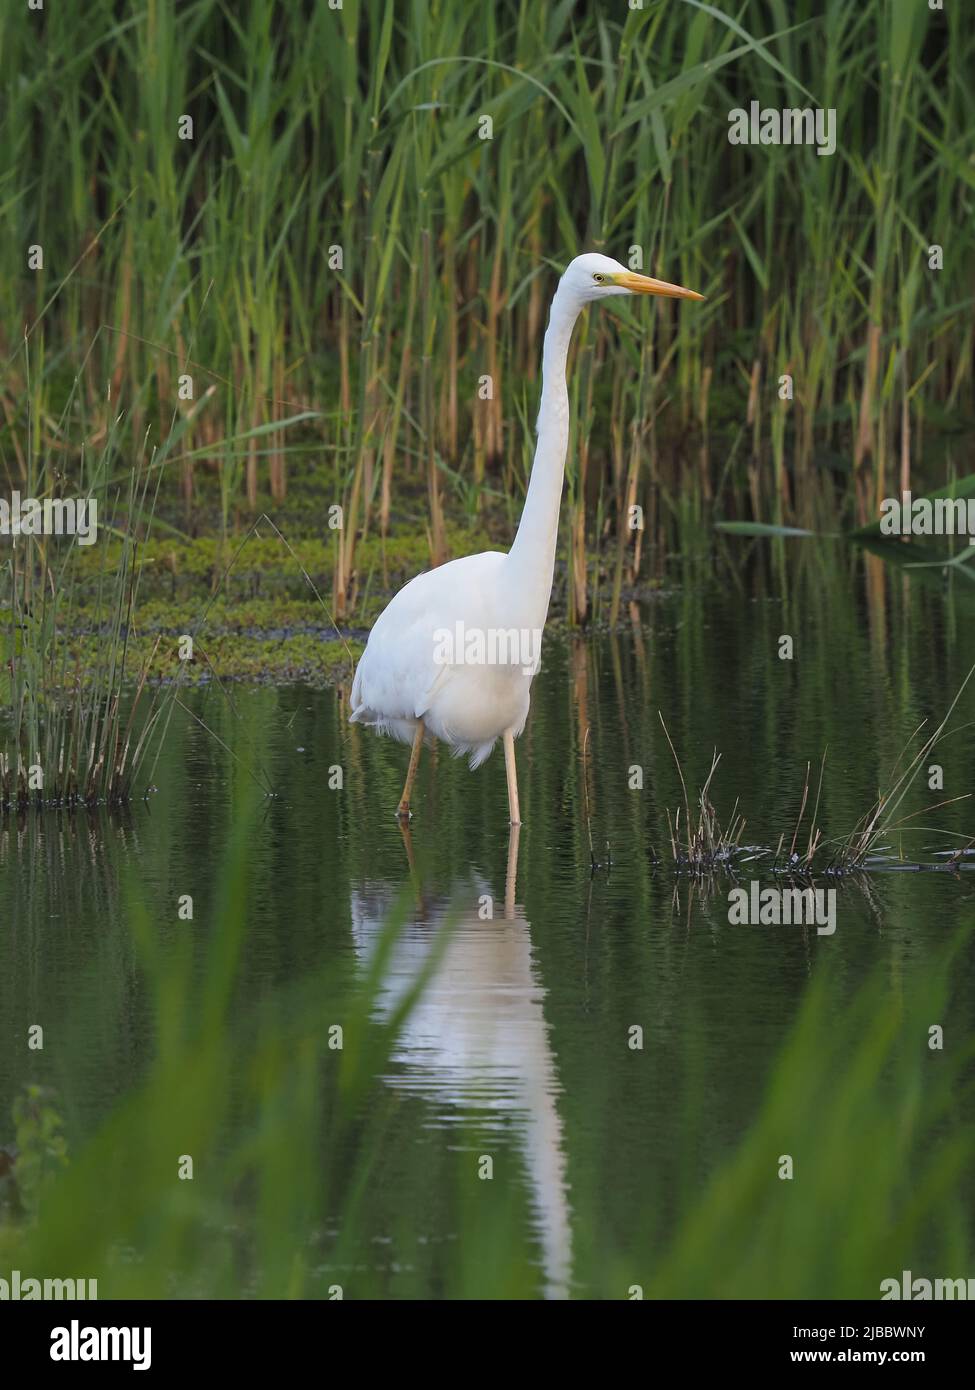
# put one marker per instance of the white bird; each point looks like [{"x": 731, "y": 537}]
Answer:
[{"x": 453, "y": 654}]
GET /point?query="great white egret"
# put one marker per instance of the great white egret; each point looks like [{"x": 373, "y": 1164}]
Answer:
[{"x": 453, "y": 654}]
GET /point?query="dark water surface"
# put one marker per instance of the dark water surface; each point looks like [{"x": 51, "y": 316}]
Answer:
[{"x": 520, "y": 1049}]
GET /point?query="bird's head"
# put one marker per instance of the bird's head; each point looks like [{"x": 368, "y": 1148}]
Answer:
[{"x": 593, "y": 276}]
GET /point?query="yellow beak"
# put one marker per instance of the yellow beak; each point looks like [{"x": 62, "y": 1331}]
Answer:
[{"x": 643, "y": 284}]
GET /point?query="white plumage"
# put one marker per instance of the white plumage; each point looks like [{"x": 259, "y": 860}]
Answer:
[
  {"x": 399, "y": 682},
  {"x": 404, "y": 684}
]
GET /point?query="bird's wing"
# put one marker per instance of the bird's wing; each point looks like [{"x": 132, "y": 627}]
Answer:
[{"x": 398, "y": 675}]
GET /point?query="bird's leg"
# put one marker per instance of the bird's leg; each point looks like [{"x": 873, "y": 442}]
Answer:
[
  {"x": 403, "y": 809},
  {"x": 404, "y": 830},
  {"x": 512, "y": 874},
  {"x": 509, "y": 766}
]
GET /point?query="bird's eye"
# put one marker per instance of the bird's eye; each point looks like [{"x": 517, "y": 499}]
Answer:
[{"x": 599, "y": 278}]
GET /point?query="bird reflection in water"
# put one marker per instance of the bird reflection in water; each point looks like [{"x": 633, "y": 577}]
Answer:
[{"x": 476, "y": 1041}]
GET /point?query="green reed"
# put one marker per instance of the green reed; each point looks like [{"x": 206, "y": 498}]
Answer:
[{"x": 337, "y": 237}]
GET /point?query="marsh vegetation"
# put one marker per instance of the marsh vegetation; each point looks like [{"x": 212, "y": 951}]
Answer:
[{"x": 291, "y": 351}]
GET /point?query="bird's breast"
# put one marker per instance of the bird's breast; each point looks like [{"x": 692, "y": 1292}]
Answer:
[{"x": 476, "y": 703}]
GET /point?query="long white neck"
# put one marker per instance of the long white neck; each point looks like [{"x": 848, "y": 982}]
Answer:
[{"x": 531, "y": 561}]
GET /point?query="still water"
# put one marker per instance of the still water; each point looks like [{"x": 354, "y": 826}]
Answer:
[{"x": 594, "y": 1045}]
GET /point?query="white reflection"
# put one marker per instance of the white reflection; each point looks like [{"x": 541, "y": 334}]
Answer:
[{"x": 477, "y": 1037}]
